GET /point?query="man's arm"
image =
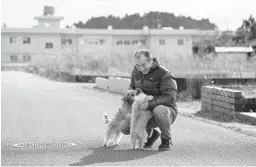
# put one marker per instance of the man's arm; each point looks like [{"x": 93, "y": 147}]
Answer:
[{"x": 168, "y": 89}]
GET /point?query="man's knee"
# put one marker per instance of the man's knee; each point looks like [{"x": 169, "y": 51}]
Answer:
[
  {"x": 162, "y": 112},
  {"x": 124, "y": 127}
]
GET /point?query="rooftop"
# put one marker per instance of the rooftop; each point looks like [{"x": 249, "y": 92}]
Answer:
[
  {"x": 76, "y": 31},
  {"x": 48, "y": 17}
]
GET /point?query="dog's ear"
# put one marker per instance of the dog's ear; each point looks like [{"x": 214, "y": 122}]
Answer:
[
  {"x": 138, "y": 91},
  {"x": 122, "y": 97}
]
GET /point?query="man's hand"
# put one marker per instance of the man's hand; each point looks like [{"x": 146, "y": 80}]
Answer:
[{"x": 143, "y": 105}]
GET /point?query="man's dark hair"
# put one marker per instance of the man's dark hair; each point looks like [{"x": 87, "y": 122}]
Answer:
[{"x": 145, "y": 52}]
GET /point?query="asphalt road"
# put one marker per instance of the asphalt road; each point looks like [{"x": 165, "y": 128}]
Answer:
[{"x": 35, "y": 109}]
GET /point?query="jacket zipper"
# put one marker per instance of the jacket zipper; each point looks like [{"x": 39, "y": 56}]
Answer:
[{"x": 142, "y": 81}]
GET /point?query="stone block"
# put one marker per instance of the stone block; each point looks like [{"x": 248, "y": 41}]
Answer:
[
  {"x": 206, "y": 107},
  {"x": 227, "y": 99},
  {"x": 207, "y": 100}
]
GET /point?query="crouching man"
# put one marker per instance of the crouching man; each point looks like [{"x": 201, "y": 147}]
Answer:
[{"x": 153, "y": 79}]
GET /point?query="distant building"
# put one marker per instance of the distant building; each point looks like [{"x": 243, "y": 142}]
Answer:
[
  {"x": 30, "y": 45},
  {"x": 240, "y": 53}
]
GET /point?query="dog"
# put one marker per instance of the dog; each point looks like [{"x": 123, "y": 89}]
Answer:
[
  {"x": 113, "y": 133},
  {"x": 139, "y": 120}
]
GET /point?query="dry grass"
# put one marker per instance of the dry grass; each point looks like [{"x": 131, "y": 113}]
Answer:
[
  {"x": 117, "y": 64},
  {"x": 191, "y": 104},
  {"x": 123, "y": 64},
  {"x": 218, "y": 65}
]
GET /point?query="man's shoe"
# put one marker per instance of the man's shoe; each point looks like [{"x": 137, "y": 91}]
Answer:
[
  {"x": 165, "y": 145},
  {"x": 151, "y": 140}
]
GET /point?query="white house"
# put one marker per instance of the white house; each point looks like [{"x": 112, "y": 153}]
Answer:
[{"x": 48, "y": 40}]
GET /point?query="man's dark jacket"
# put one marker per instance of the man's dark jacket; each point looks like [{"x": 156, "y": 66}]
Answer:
[{"x": 159, "y": 82}]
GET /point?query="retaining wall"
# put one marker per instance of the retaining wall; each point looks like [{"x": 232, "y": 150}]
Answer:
[
  {"x": 113, "y": 84},
  {"x": 224, "y": 103}
]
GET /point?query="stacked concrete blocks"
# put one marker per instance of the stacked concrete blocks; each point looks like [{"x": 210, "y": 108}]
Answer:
[{"x": 221, "y": 102}]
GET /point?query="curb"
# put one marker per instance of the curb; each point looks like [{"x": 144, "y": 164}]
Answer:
[
  {"x": 239, "y": 117},
  {"x": 245, "y": 118},
  {"x": 223, "y": 125}
]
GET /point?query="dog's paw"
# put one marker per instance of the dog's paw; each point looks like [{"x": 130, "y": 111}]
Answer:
[{"x": 142, "y": 149}]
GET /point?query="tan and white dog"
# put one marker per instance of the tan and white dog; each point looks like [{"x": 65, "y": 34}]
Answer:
[
  {"x": 139, "y": 120},
  {"x": 113, "y": 134}
]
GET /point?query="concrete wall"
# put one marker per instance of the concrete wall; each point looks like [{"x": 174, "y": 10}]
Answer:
[
  {"x": 224, "y": 103},
  {"x": 222, "y": 99},
  {"x": 171, "y": 48},
  {"x": 36, "y": 45},
  {"x": 36, "y": 49},
  {"x": 101, "y": 83},
  {"x": 124, "y": 49},
  {"x": 80, "y": 44},
  {"x": 113, "y": 84},
  {"x": 71, "y": 48},
  {"x": 90, "y": 45}
]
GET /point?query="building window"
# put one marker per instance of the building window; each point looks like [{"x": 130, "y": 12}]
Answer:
[
  {"x": 48, "y": 45},
  {"x": 102, "y": 41},
  {"x": 180, "y": 42},
  {"x": 209, "y": 49},
  {"x": 95, "y": 42},
  {"x": 127, "y": 42},
  {"x": 134, "y": 42},
  {"x": 14, "y": 58},
  {"x": 195, "y": 50},
  {"x": 143, "y": 41},
  {"x": 119, "y": 42},
  {"x": 65, "y": 41},
  {"x": 26, "y": 40},
  {"x": 90, "y": 42},
  {"x": 69, "y": 41},
  {"x": 13, "y": 39},
  {"x": 26, "y": 58},
  {"x": 162, "y": 42}
]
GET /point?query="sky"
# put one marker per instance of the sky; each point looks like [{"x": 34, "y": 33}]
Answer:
[{"x": 226, "y": 14}]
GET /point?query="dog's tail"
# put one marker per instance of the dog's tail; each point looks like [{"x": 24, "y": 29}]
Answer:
[{"x": 105, "y": 116}]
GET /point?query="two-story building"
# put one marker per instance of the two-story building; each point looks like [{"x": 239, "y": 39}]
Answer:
[{"x": 48, "y": 41}]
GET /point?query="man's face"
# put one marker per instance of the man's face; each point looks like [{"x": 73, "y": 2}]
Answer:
[{"x": 142, "y": 63}]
